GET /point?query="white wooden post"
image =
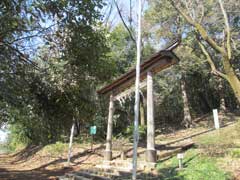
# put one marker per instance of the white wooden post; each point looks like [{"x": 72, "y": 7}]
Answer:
[
  {"x": 151, "y": 152},
  {"x": 70, "y": 145},
  {"x": 108, "y": 151},
  {"x": 180, "y": 160},
  {"x": 216, "y": 119}
]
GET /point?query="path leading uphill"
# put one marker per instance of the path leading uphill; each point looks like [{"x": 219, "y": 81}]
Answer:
[{"x": 10, "y": 169}]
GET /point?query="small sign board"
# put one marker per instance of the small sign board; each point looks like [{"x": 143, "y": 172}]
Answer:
[
  {"x": 180, "y": 156},
  {"x": 93, "y": 130}
]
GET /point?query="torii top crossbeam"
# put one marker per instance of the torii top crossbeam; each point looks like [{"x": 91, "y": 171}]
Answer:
[{"x": 159, "y": 61}]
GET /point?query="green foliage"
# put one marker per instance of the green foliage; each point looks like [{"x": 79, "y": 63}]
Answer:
[
  {"x": 123, "y": 49},
  {"x": 4, "y": 148},
  {"x": 142, "y": 132},
  {"x": 204, "y": 168},
  {"x": 16, "y": 139},
  {"x": 41, "y": 105}
]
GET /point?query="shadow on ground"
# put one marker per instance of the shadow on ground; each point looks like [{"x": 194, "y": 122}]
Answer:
[
  {"x": 41, "y": 173},
  {"x": 31, "y": 174}
]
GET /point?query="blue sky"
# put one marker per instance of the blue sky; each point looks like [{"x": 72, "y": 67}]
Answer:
[
  {"x": 3, "y": 136},
  {"x": 124, "y": 6}
]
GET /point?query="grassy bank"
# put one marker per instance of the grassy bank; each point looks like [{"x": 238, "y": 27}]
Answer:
[{"x": 216, "y": 156}]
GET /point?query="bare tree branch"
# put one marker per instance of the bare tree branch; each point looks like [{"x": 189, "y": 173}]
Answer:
[
  {"x": 228, "y": 31},
  {"x": 199, "y": 28},
  {"x": 202, "y": 14},
  {"x": 108, "y": 14},
  {"x": 210, "y": 61},
  {"x": 124, "y": 23},
  {"x": 21, "y": 55},
  {"x": 38, "y": 34}
]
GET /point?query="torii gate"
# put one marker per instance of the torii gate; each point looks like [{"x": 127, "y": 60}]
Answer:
[{"x": 124, "y": 86}]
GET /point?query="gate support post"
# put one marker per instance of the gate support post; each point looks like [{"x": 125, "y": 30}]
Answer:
[
  {"x": 108, "y": 151},
  {"x": 150, "y": 152}
]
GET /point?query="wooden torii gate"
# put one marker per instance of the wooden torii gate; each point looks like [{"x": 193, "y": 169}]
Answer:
[{"x": 124, "y": 86}]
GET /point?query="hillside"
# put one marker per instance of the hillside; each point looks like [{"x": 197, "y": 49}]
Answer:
[{"x": 215, "y": 155}]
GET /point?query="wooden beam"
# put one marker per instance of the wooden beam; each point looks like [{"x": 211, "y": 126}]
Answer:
[{"x": 158, "y": 62}]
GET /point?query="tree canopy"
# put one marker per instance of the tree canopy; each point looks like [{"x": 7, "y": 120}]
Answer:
[{"x": 55, "y": 55}]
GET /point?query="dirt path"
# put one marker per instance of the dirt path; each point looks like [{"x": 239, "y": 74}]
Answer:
[
  {"x": 34, "y": 164},
  {"x": 10, "y": 169}
]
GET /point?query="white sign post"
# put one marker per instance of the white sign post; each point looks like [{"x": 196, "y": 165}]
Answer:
[
  {"x": 70, "y": 145},
  {"x": 216, "y": 119},
  {"x": 180, "y": 160}
]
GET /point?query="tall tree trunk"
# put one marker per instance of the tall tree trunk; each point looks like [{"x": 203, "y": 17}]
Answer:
[
  {"x": 187, "y": 120},
  {"x": 232, "y": 78},
  {"x": 235, "y": 84},
  {"x": 142, "y": 111}
]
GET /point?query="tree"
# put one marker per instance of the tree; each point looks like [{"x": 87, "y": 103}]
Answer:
[
  {"x": 164, "y": 24},
  {"x": 46, "y": 86},
  {"x": 164, "y": 27},
  {"x": 122, "y": 49},
  {"x": 194, "y": 18}
]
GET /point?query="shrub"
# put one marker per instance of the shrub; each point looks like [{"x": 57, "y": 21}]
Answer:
[
  {"x": 142, "y": 132},
  {"x": 56, "y": 149},
  {"x": 235, "y": 153}
]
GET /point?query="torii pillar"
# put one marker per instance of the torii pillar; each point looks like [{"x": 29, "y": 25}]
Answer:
[
  {"x": 150, "y": 152},
  {"x": 108, "y": 151}
]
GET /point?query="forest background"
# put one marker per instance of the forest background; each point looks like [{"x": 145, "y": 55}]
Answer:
[{"x": 56, "y": 54}]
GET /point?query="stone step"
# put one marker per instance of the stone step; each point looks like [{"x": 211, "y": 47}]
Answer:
[
  {"x": 106, "y": 171},
  {"x": 75, "y": 177},
  {"x": 63, "y": 178},
  {"x": 87, "y": 175},
  {"x": 121, "y": 166},
  {"x": 94, "y": 174}
]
